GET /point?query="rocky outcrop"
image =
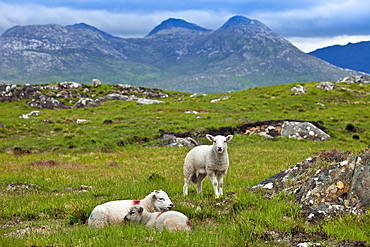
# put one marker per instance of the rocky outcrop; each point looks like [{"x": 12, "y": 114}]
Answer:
[
  {"x": 45, "y": 102},
  {"x": 271, "y": 129},
  {"x": 333, "y": 182},
  {"x": 12, "y": 92},
  {"x": 364, "y": 79},
  {"x": 51, "y": 96},
  {"x": 326, "y": 85},
  {"x": 288, "y": 127},
  {"x": 126, "y": 89}
]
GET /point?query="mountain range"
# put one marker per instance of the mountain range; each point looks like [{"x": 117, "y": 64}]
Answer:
[
  {"x": 354, "y": 56},
  {"x": 176, "y": 55}
]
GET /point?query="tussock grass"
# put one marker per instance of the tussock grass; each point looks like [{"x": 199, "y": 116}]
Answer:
[{"x": 43, "y": 165}]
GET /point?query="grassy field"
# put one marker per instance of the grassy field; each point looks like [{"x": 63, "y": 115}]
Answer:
[{"x": 54, "y": 171}]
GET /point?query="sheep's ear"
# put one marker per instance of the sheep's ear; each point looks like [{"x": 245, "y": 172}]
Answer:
[
  {"x": 210, "y": 137},
  {"x": 141, "y": 209},
  {"x": 228, "y": 138}
]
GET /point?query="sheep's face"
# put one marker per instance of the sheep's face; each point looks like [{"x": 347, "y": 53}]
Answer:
[
  {"x": 161, "y": 201},
  {"x": 135, "y": 214},
  {"x": 219, "y": 142}
]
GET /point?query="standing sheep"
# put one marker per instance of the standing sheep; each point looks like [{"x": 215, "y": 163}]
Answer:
[
  {"x": 96, "y": 82},
  {"x": 211, "y": 160},
  {"x": 114, "y": 212},
  {"x": 170, "y": 220}
]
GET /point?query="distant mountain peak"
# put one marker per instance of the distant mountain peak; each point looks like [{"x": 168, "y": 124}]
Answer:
[
  {"x": 92, "y": 28},
  {"x": 237, "y": 21},
  {"x": 176, "y": 23}
]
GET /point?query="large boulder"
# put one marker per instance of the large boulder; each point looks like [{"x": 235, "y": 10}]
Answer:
[
  {"x": 298, "y": 90},
  {"x": 303, "y": 130},
  {"x": 330, "y": 183}
]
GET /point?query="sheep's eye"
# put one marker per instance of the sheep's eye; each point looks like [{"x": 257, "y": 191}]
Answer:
[
  {"x": 131, "y": 213},
  {"x": 161, "y": 199}
]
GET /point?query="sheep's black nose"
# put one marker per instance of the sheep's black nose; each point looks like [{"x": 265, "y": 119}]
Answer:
[{"x": 170, "y": 206}]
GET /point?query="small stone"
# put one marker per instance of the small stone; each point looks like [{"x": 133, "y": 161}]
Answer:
[{"x": 340, "y": 185}]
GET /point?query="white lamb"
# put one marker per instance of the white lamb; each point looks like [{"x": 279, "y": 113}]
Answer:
[
  {"x": 211, "y": 160},
  {"x": 170, "y": 220},
  {"x": 114, "y": 212}
]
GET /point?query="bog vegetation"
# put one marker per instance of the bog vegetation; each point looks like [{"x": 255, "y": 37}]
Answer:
[{"x": 54, "y": 171}]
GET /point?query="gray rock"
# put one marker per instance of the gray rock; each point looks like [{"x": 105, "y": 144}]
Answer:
[
  {"x": 45, "y": 102},
  {"x": 323, "y": 190},
  {"x": 32, "y": 113},
  {"x": 86, "y": 102},
  {"x": 299, "y": 89},
  {"x": 142, "y": 101},
  {"x": 272, "y": 129},
  {"x": 365, "y": 79},
  {"x": 70, "y": 85},
  {"x": 11, "y": 92},
  {"x": 303, "y": 130},
  {"x": 174, "y": 141},
  {"x": 117, "y": 96},
  {"x": 325, "y": 85},
  {"x": 45, "y": 96}
]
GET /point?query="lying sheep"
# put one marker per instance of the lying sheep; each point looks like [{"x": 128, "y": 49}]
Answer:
[
  {"x": 211, "y": 160},
  {"x": 170, "y": 220},
  {"x": 113, "y": 212}
]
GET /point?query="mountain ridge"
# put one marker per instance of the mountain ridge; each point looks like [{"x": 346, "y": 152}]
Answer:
[
  {"x": 354, "y": 56},
  {"x": 176, "y": 23},
  {"x": 180, "y": 56}
]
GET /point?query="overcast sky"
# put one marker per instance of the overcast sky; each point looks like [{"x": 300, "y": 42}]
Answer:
[{"x": 308, "y": 24}]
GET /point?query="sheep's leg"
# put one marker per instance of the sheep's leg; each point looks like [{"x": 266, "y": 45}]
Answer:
[
  {"x": 214, "y": 182},
  {"x": 200, "y": 179},
  {"x": 220, "y": 183},
  {"x": 186, "y": 185}
]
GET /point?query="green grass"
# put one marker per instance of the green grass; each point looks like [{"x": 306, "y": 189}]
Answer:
[{"x": 114, "y": 152}]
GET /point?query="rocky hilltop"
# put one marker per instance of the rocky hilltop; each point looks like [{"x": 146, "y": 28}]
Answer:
[{"x": 175, "y": 55}]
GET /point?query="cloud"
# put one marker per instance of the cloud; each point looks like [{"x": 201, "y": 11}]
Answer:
[
  {"x": 308, "y": 44},
  {"x": 128, "y": 24},
  {"x": 324, "y": 18}
]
